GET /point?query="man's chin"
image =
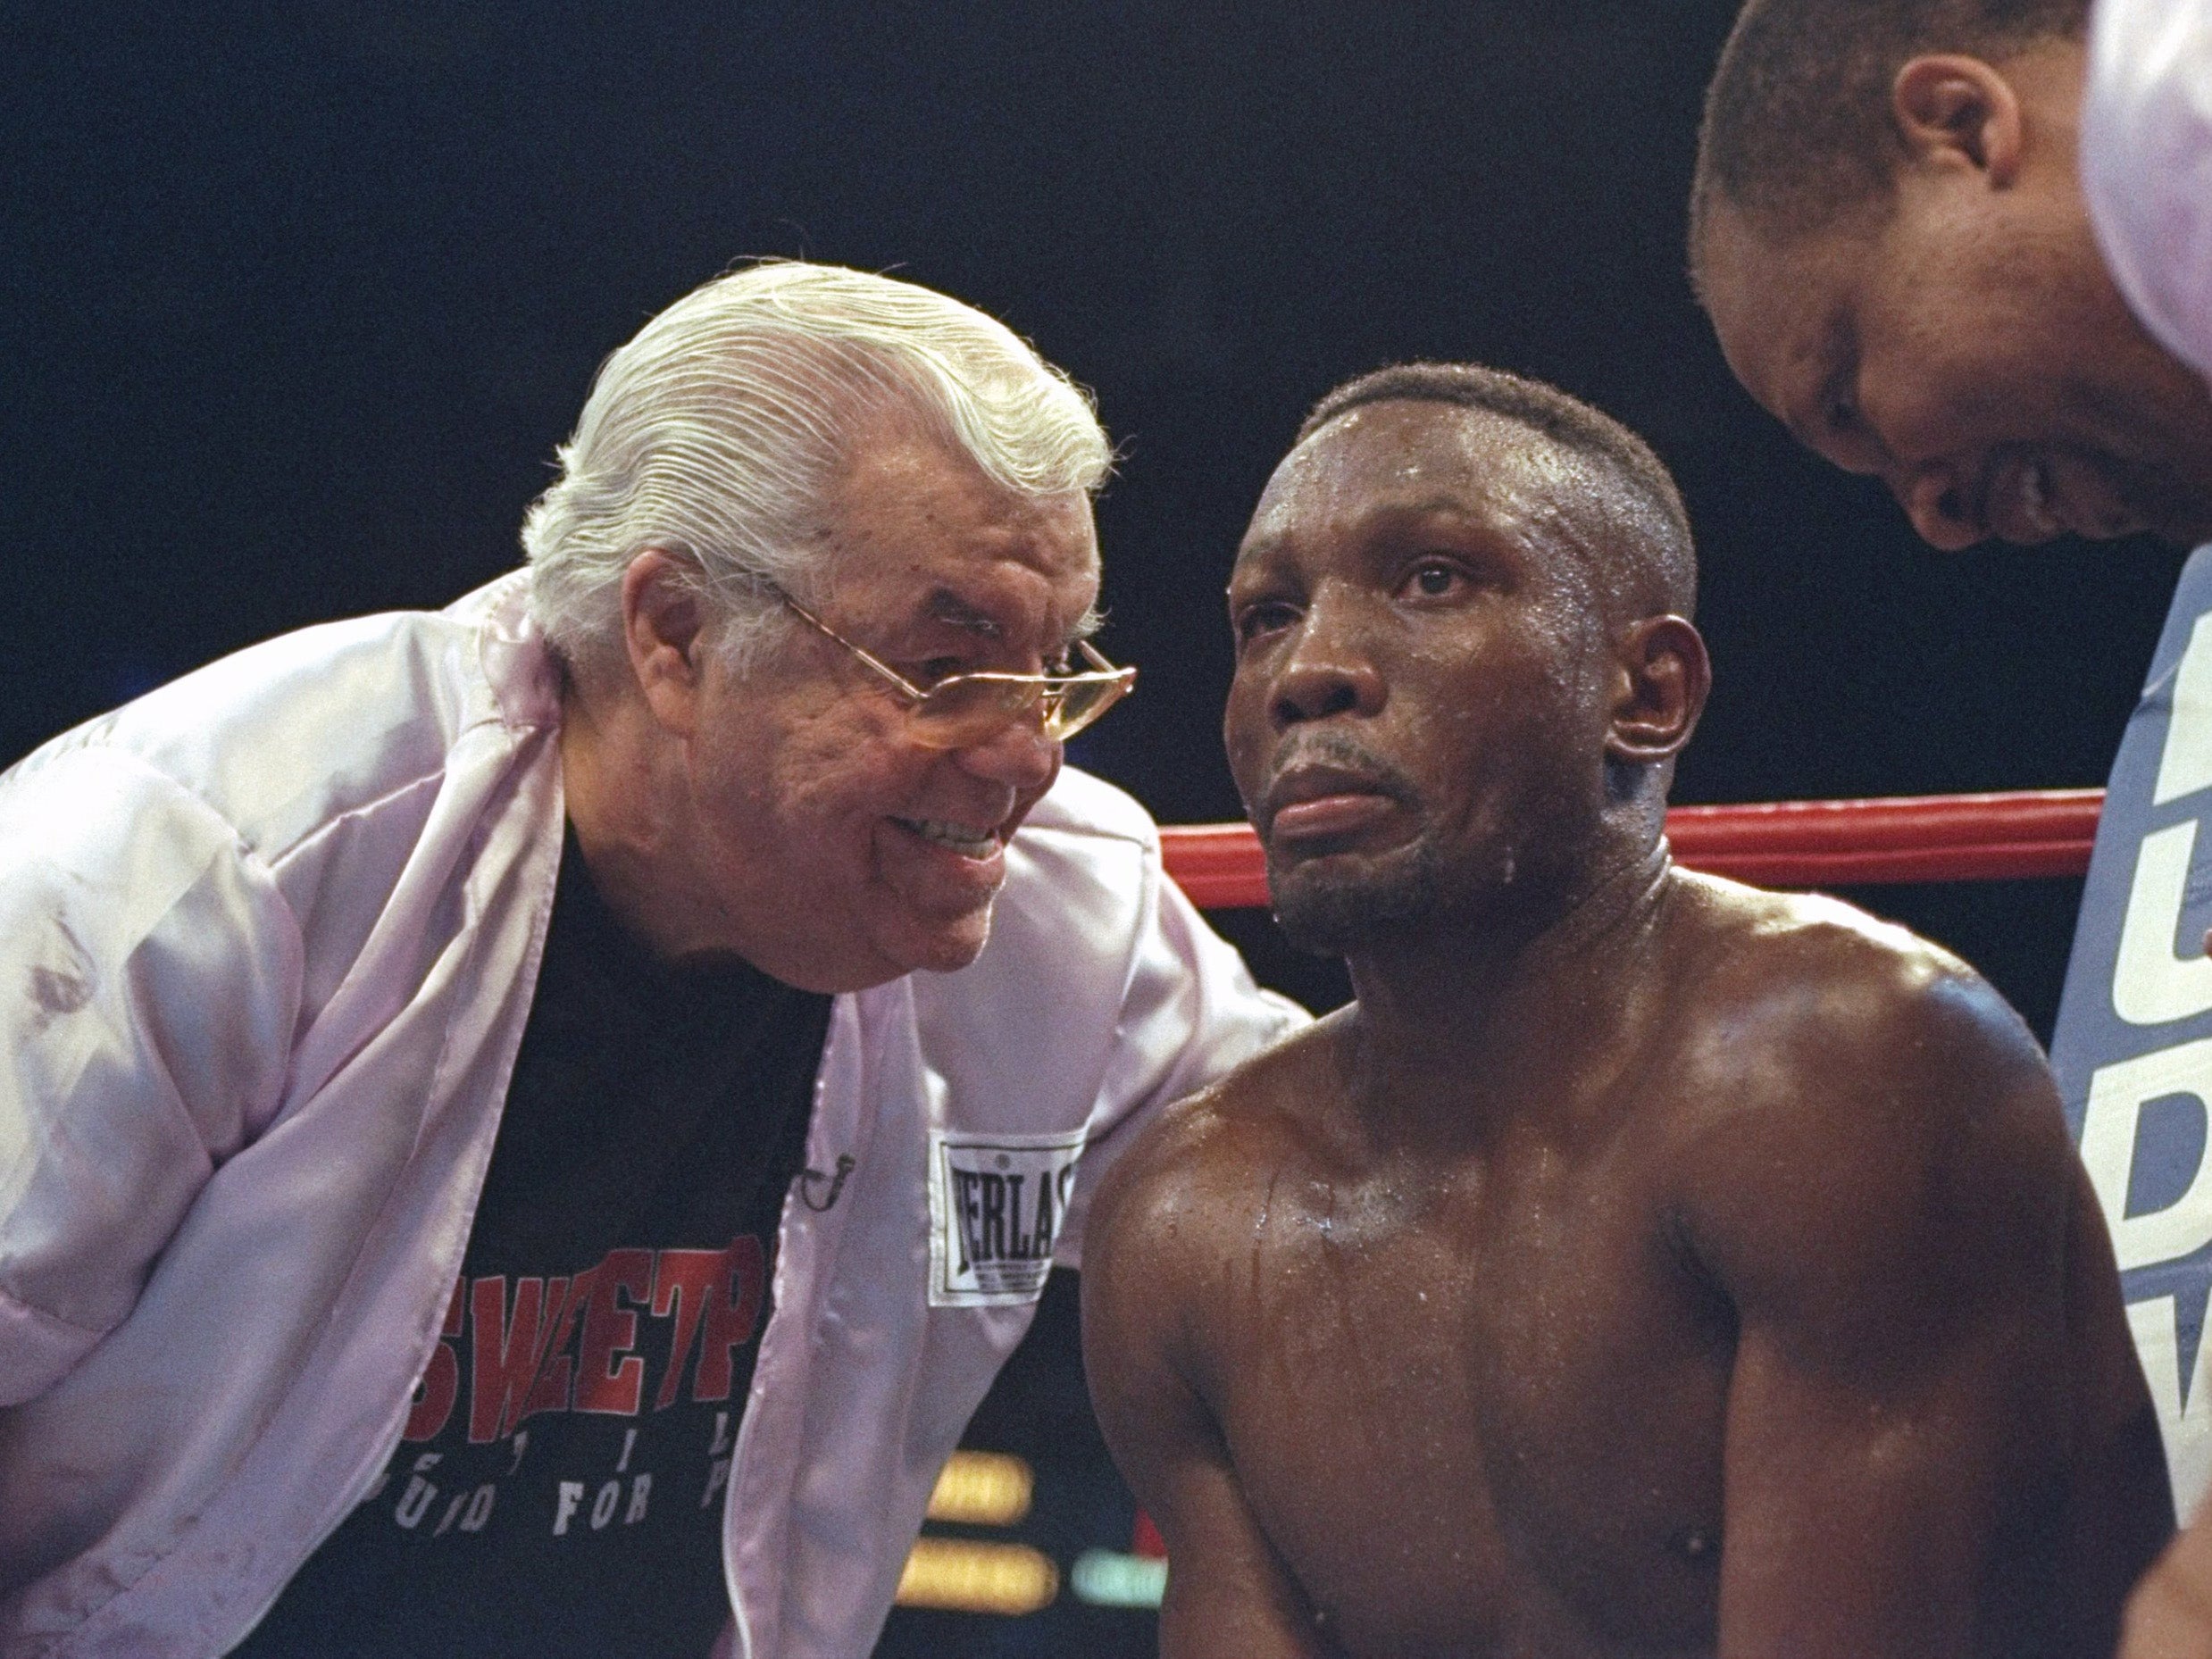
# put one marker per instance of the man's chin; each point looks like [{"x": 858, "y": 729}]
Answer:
[
  {"x": 2169, "y": 512},
  {"x": 2173, "y": 505},
  {"x": 943, "y": 945},
  {"x": 1335, "y": 916}
]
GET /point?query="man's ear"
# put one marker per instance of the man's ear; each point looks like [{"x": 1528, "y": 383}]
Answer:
[
  {"x": 663, "y": 627},
  {"x": 1661, "y": 675},
  {"x": 1956, "y": 110}
]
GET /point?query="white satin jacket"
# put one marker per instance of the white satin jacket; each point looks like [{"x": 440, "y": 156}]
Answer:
[
  {"x": 2146, "y": 163},
  {"x": 267, "y": 937}
]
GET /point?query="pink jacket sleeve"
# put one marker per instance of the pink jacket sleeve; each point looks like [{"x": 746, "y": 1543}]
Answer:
[
  {"x": 2146, "y": 162},
  {"x": 140, "y": 1044}
]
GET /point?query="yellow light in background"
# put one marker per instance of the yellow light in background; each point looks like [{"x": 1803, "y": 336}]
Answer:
[
  {"x": 983, "y": 1489},
  {"x": 958, "y": 1576}
]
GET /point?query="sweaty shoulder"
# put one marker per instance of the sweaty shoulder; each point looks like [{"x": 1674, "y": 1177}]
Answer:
[
  {"x": 1841, "y": 1079},
  {"x": 1202, "y": 1167},
  {"x": 1796, "y": 992}
]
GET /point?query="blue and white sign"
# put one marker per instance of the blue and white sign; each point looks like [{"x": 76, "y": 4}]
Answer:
[{"x": 2133, "y": 1045}]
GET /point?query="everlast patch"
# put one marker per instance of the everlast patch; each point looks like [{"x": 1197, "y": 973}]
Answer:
[{"x": 995, "y": 1202}]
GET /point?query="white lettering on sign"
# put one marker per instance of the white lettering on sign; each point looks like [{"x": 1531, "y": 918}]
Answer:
[
  {"x": 996, "y": 1205},
  {"x": 2139, "y": 980},
  {"x": 2184, "y": 1420},
  {"x": 2185, "y": 763},
  {"x": 2117, "y": 1095},
  {"x": 2150, "y": 985}
]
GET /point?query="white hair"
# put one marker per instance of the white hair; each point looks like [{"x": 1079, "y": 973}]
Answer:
[{"x": 717, "y": 433}]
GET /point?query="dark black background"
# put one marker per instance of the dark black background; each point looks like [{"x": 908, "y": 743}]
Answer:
[{"x": 295, "y": 301}]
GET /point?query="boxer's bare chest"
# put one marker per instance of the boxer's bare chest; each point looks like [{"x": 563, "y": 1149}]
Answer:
[{"x": 1479, "y": 1408}]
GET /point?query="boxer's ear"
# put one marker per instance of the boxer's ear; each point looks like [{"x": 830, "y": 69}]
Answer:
[
  {"x": 663, "y": 621},
  {"x": 1661, "y": 675},
  {"x": 1953, "y": 111}
]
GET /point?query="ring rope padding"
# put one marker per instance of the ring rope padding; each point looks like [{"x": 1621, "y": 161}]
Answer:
[{"x": 2017, "y": 834}]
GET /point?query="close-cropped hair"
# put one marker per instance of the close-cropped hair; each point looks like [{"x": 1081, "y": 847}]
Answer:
[
  {"x": 1797, "y": 130},
  {"x": 718, "y": 435},
  {"x": 1654, "y": 522}
]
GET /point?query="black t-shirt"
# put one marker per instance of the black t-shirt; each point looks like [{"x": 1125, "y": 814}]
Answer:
[{"x": 559, "y": 1487}]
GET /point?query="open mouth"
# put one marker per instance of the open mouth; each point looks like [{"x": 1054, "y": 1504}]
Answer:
[
  {"x": 2034, "y": 500},
  {"x": 961, "y": 838},
  {"x": 2031, "y": 498},
  {"x": 2019, "y": 502}
]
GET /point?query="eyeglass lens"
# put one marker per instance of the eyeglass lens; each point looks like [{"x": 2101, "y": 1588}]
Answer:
[{"x": 971, "y": 710}]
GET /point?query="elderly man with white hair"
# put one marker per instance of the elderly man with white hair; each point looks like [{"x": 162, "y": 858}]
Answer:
[{"x": 480, "y": 1170}]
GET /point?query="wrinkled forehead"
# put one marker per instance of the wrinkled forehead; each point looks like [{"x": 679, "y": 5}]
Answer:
[
  {"x": 1400, "y": 459},
  {"x": 920, "y": 528}
]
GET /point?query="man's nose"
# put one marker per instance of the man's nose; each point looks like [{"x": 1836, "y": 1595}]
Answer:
[
  {"x": 1018, "y": 754},
  {"x": 1935, "y": 499},
  {"x": 1327, "y": 671}
]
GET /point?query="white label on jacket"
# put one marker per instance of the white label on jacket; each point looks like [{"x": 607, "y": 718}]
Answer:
[{"x": 995, "y": 1202}]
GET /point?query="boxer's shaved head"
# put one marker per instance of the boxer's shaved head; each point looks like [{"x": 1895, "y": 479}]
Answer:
[
  {"x": 1797, "y": 126},
  {"x": 1639, "y": 526},
  {"x": 1462, "y": 598}
]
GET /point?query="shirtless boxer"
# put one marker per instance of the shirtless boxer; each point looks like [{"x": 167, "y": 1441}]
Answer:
[{"x": 1643, "y": 1263}]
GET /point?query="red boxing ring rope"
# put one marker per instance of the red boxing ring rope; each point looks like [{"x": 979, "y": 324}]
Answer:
[{"x": 1787, "y": 844}]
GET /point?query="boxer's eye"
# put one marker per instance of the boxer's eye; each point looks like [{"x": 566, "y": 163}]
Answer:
[
  {"x": 1254, "y": 622},
  {"x": 1432, "y": 578}
]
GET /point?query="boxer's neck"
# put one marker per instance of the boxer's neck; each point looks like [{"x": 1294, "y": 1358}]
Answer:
[{"x": 1456, "y": 1026}]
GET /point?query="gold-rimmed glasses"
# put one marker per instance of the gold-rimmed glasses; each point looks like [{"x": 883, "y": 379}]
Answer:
[{"x": 962, "y": 710}]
